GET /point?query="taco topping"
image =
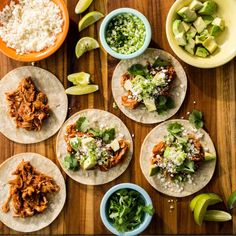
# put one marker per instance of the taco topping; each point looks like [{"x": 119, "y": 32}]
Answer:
[
  {"x": 29, "y": 190},
  {"x": 91, "y": 148},
  {"x": 28, "y": 106},
  {"x": 178, "y": 156},
  {"x": 149, "y": 86}
]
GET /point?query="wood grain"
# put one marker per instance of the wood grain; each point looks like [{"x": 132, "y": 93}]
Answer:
[{"x": 212, "y": 89}]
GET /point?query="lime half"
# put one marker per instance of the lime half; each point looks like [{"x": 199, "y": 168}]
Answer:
[
  {"x": 89, "y": 19},
  {"x": 81, "y": 90},
  {"x": 80, "y": 78},
  {"x": 215, "y": 215},
  {"x": 85, "y": 44},
  {"x": 231, "y": 203},
  {"x": 82, "y": 5}
]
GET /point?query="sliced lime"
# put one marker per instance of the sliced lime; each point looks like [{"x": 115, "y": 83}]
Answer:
[
  {"x": 89, "y": 19},
  {"x": 201, "y": 206},
  {"x": 81, "y": 90},
  {"x": 215, "y": 215},
  {"x": 231, "y": 203},
  {"x": 80, "y": 78},
  {"x": 82, "y": 5},
  {"x": 85, "y": 44}
]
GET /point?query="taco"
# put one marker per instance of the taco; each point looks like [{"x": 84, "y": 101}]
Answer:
[
  {"x": 94, "y": 147},
  {"x": 150, "y": 88},
  {"x": 32, "y": 192},
  {"x": 177, "y": 159},
  {"x": 33, "y": 105}
]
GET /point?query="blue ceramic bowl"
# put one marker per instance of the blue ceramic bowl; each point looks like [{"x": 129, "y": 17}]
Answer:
[
  {"x": 105, "y": 23},
  {"x": 103, "y": 209}
]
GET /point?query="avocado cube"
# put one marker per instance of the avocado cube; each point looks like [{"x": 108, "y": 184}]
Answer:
[
  {"x": 195, "y": 5},
  {"x": 191, "y": 33},
  {"x": 190, "y": 46},
  {"x": 200, "y": 39},
  {"x": 187, "y": 14},
  {"x": 181, "y": 39},
  {"x": 210, "y": 44},
  {"x": 89, "y": 163},
  {"x": 209, "y": 156},
  {"x": 153, "y": 170},
  {"x": 186, "y": 26},
  {"x": 199, "y": 24},
  {"x": 177, "y": 27},
  {"x": 115, "y": 145},
  {"x": 150, "y": 104},
  {"x": 215, "y": 30},
  {"x": 208, "y": 19},
  {"x": 201, "y": 52},
  {"x": 208, "y": 8},
  {"x": 219, "y": 22}
]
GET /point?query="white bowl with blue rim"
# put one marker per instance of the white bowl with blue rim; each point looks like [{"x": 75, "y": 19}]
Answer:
[
  {"x": 104, "y": 26},
  {"x": 104, "y": 204}
]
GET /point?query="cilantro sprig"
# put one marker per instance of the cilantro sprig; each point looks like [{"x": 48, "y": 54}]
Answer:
[{"x": 196, "y": 118}]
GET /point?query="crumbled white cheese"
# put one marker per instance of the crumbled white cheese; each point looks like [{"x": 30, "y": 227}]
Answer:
[{"x": 30, "y": 25}]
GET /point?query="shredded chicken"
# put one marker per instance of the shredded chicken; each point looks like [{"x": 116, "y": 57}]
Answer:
[
  {"x": 28, "y": 191},
  {"x": 28, "y": 106}
]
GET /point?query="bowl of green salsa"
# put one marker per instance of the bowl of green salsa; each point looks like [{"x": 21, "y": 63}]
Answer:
[{"x": 125, "y": 33}]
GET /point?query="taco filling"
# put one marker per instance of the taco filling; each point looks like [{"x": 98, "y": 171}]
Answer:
[
  {"x": 149, "y": 86},
  {"x": 178, "y": 156},
  {"x": 28, "y": 106},
  {"x": 92, "y": 148}
]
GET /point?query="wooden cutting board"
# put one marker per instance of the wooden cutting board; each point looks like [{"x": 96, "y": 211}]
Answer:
[{"x": 213, "y": 90}]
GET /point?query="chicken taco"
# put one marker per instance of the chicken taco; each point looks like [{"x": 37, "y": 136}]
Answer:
[
  {"x": 32, "y": 192},
  {"x": 150, "y": 88},
  {"x": 33, "y": 105},
  {"x": 177, "y": 159},
  {"x": 94, "y": 147}
]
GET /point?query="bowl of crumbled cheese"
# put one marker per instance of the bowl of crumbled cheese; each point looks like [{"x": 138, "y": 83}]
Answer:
[{"x": 31, "y": 30}]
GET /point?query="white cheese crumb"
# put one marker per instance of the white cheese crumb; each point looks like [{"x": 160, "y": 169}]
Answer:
[{"x": 194, "y": 102}]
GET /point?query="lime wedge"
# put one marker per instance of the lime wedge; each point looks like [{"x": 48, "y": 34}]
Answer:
[
  {"x": 82, "y": 5},
  {"x": 201, "y": 206},
  {"x": 215, "y": 215},
  {"x": 85, "y": 44},
  {"x": 89, "y": 19},
  {"x": 81, "y": 90},
  {"x": 80, "y": 78},
  {"x": 231, "y": 203},
  {"x": 195, "y": 199}
]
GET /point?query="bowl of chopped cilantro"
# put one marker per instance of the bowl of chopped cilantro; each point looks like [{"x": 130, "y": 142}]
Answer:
[
  {"x": 126, "y": 209},
  {"x": 125, "y": 33}
]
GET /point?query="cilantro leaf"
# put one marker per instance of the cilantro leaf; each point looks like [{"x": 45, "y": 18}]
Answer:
[
  {"x": 138, "y": 69},
  {"x": 196, "y": 118},
  {"x": 160, "y": 63},
  {"x": 108, "y": 135},
  {"x": 164, "y": 103},
  {"x": 174, "y": 128},
  {"x": 82, "y": 124},
  {"x": 70, "y": 162}
]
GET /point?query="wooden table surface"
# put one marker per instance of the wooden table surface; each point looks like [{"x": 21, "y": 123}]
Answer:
[{"x": 212, "y": 89}]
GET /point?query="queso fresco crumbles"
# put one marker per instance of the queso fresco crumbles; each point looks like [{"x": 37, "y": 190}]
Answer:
[{"x": 125, "y": 33}]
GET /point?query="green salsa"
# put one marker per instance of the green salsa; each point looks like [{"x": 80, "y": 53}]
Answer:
[{"x": 125, "y": 33}]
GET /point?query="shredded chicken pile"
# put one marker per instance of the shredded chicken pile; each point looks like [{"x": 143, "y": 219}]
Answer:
[
  {"x": 28, "y": 106},
  {"x": 28, "y": 191}
]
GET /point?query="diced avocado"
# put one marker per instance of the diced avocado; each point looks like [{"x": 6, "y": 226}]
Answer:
[
  {"x": 160, "y": 79},
  {"x": 150, "y": 104},
  {"x": 187, "y": 14},
  {"x": 87, "y": 140},
  {"x": 181, "y": 39},
  {"x": 210, "y": 44},
  {"x": 177, "y": 27},
  {"x": 199, "y": 24},
  {"x": 208, "y": 8},
  {"x": 208, "y": 19},
  {"x": 199, "y": 39},
  {"x": 89, "y": 163},
  {"x": 190, "y": 46},
  {"x": 74, "y": 143},
  {"x": 209, "y": 156},
  {"x": 201, "y": 52},
  {"x": 153, "y": 170},
  {"x": 167, "y": 152},
  {"x": 219, "y": 22},
  {"x": 128, "y": 85},
  {"x": 115, "y": 145},
  {"x": 215, "y": 30},
  {"x": 186, "y": 26},
  {"x": 191, "y": 33},
  {"x": 195, "y": 5}
]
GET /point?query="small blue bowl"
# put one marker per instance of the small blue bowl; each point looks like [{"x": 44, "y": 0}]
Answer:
[
  {"x": 105, "y": 23},
  {"x": 103, "y": 209}
]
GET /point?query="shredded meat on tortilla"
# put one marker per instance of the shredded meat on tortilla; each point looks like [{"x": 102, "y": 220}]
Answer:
[
  {"x": 28, "y": 191},
  {"x": 28, "y": 106}
]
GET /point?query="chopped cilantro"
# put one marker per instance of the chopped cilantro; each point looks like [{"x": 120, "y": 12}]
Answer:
[
  {"x": 82, "y": 124},
  {"x": 138, "y": 69},
  {"x": 164, "y": 103},
  {"x": 160, "y": 63},
  {"x": 70, "y": 162},
  {"x": 174, "y": 128}
]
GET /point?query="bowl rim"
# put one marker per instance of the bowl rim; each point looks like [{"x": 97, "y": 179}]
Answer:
[
  {"x": 143, "y": 193},
  {"x": 119, "y": 11},
  {"x": 173, "y": 46},
  {"x": 37, "y": 56}
]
